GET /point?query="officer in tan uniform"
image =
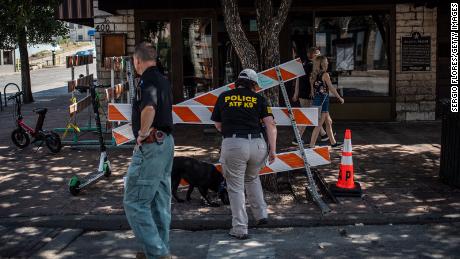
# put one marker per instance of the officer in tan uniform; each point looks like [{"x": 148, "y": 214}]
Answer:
[{"x": 238, "y": 115}]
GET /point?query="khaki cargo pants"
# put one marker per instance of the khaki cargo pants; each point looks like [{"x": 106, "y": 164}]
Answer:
[{"x": 241, "y": 161}]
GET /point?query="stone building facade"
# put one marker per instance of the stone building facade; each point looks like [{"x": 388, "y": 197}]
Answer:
[
  {"x": 416, "y": 91},
  {"x": 124, "y": 23},
  {"x": 411, "y": 95}
]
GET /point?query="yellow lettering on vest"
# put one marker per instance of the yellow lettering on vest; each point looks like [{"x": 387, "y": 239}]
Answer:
[
  {"x": 248, "y": 105},
  {"x": 233, "y": 97},
  {"x": 227, "y": 98},
  {"x": 254, "y": 100}
]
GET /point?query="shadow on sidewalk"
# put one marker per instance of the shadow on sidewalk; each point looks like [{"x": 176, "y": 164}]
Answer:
[{"x": 396, "y": 163}]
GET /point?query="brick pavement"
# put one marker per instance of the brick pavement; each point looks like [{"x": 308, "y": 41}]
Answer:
[{"x": 396, "y": 163}]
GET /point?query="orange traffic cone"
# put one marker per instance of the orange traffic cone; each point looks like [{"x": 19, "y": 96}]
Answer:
[{"x": 346, "y": 186}]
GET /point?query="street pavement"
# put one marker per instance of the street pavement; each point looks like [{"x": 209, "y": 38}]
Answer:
[
  {"x": 353, "y": 241},
  {"x": 45, "y": 82}
]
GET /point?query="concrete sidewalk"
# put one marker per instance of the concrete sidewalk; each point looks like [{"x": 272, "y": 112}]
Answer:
[
  {"x": 358, "y": 241},
  {"x": 396, "y": 163}
]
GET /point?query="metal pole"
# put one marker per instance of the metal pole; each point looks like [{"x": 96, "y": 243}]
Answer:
[
  {"x": 130, "y": 77},
  {"x": 112, "y": 79},
  {"x": 311, "y": 187},
  {"x": 88, "y": 93},
  {"x": 53, "y": 56},
  {"x": 72, "y": 71},
  {"x": 14, "y": 60}
]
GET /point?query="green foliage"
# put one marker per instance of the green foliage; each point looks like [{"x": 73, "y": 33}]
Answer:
[
  {"x": 37, "y": 16},
  {"x": 64, "y": 40}
]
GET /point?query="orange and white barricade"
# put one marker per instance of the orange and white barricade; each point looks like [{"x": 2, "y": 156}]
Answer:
[
  {"x": 267, "y": 79},
  {"x": 198, "y": 114},
  {"x": 119, "y": 112},
  {"x": 291, "y": 161},
  {"x": 198, "y": 109},
  {"x": 123, "y": 134}
]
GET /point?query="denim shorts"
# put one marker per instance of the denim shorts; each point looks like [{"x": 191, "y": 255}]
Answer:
[{"x": 323, "y": 101}]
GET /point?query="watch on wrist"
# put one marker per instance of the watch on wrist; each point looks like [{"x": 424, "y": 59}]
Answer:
[{"x": 143, "y": 135}]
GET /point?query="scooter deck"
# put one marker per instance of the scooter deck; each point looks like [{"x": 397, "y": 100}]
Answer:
[
  {"x": 92, "y": 179},
  {"x": 76, "y": 185}
]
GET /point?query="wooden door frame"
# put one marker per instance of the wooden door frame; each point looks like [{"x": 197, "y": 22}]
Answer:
[{"x": 175, "y": 18}]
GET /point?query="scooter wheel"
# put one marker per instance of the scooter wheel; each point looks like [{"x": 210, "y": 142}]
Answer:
[
  {"x": 53, "y": 142},
  {"x": 20, "y": 138},
  {"x": 106, "y": 168},
  {"x": 74, "y": 186}
]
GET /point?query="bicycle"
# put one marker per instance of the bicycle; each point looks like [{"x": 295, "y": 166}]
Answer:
[{"x": 21, "y": 135}]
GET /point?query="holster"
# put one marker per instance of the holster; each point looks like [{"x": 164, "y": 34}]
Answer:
[{"x": 155, "y": 136}]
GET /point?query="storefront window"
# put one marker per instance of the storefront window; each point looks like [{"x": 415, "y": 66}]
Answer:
[
  {"x": 356, "y": 47},
  {"x": 159, "y": 34},
  {"x": 197, "y": 56}
]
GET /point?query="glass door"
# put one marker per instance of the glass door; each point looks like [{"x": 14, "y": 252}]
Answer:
[
  {"x": 158, "y": 32},
  {"x": 197, "y": 56}
]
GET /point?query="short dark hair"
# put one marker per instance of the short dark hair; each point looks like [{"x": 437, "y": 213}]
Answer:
[
  {"x": 246, "y": 83},
  {"x": 312, "y": 50},
  {"x": 145, "y": 52}
]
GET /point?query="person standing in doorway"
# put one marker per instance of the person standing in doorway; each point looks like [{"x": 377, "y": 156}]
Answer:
[
  {"x": 147, "y": 197},
  {"x": 303, "y": 89},
  {"x": 238, "y": 114},
  {"x": 321, "y": 85}
]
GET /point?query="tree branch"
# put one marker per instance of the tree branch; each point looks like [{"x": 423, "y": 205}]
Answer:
[
  {"x": 264, "y": 11},
  {"x": 281, "y": 16}
]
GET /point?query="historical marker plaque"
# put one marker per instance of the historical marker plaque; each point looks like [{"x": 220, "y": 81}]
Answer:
[{"x": 416, "y": 53}]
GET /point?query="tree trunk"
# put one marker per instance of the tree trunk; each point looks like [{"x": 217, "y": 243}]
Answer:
[
  {"x": 270, "y": 26},
  {"x": 25, "y": 68},
  {"x": 244, "y": 49}
]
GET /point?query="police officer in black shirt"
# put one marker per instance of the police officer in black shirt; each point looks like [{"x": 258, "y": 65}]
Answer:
[
  {"x": 238, "y": 115},
  {"x": 147, "y": 198}
]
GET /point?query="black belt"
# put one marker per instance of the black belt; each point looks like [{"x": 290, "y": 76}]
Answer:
[{"x": 246, "y": 136}]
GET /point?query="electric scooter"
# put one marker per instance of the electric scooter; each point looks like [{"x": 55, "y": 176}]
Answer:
[
  {"x": 20, "y": 136},
  {"x": 104, "y": 169}
]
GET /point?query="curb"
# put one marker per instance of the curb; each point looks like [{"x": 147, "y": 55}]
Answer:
[
  {"x": 58, "y": 244},
  {"x": 119, "y": 222}
]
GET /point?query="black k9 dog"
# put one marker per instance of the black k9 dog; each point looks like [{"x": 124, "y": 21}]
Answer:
[{"x": 198, "y": 174}]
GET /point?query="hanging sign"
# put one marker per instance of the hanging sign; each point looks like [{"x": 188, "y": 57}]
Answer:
[{"x": 416, "y": 53}]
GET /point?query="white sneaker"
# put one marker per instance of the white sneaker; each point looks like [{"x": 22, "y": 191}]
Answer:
[{"x": 326, "y": 137}]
